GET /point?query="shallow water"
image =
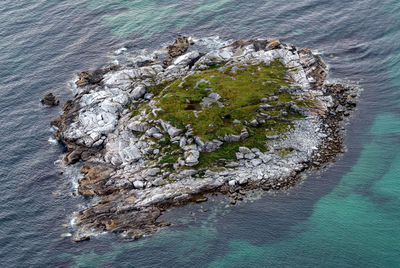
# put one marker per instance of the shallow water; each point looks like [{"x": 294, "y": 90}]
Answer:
[{"x": 346, "y": 216}]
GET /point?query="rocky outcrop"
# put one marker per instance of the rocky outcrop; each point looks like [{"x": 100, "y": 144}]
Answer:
[
  {"x": 50, "y": 100},
  {"x": 137, "y": 162}
]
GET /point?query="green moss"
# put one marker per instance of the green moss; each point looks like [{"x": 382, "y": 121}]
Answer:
[{"x": 241, "y": 89}]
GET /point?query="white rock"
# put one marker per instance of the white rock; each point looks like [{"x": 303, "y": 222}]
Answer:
[
  {"x": 173, "y": 131},
  {"x": 138, "y": 92},
  {"x": 192, "y": 158},
  {"x": 138, "y": 184},
  {"x": 232, "y": 183},
  {"x": 256, "y": 162}
]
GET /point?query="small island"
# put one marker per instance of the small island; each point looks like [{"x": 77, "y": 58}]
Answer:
[{"x": 192, "y": 119}]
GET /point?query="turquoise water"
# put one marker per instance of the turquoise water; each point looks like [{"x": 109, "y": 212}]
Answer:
[{"x": 345, "y": 216}]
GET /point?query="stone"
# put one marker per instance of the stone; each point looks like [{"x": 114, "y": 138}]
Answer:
[
  {"x": 180, "y": 46},
  {"x": 191, "y": 158},
  {"x": 138, "y": 126},
  {"x": 249, "y": 156},
  {"x": 50, "y": 100},
  {"x": 232, "y": 183},
  {"x": 138, "y": 92},
  {"x": 273, "y": 43},
  {"x": 244, "y": 150},
  {"x": 138, "y": 184},
  {"x": 173, "y": 131},
  {"x": 239, "y": 156},
  {"x": 153, "y": 171},
  {"x": 256, "y": 162}
]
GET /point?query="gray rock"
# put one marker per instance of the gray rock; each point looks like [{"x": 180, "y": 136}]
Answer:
[
  {"x": 153, "y": 171},
  {"x": 191, "y": 158},
  {"x": 173, "y": 131},
  {"x": 249, "y": 156},
  {"x": 272, "y": 137},
  {"x": 254, "y": 123},
  {"x": 231, "y": 138},
  {"x": 232, "y": 183},
  {"x": 182, "y": 142},
  {"x": 255, "y": 162},
  {"x": 244, "y": 150},
  {"x": 239, "y": 156},
  {"x": 138, "y": 126},
  {"x": 138, "y": 184},
  {"x": 138, "y": 92}
]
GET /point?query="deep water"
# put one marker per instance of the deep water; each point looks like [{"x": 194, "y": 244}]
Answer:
[{"x": 345, "y": 216}]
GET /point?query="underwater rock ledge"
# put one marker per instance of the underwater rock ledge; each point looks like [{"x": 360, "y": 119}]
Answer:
[{"x": 194, "y": 119}]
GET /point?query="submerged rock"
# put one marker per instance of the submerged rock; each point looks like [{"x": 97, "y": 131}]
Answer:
[{"x": 251, "y": 114}]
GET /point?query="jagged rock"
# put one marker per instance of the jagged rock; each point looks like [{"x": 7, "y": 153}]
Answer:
[
  {"x": 192, "y": 158},
  {"x": 244, "y": 150},
  {"x": 93, "y": 77},
  {"x": 173, "y": 131},
  {"x": 180, "y": 46},
  {"x": 138, "y": 126},
  {"x": 138, "y": 92},
  {"x": 274, "y": 43},
  {"x": 50, "y": 100},
  {"x": 153, "y": 171}
]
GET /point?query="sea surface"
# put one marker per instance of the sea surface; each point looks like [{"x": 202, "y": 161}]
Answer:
[{"x": 345, "y": 216}]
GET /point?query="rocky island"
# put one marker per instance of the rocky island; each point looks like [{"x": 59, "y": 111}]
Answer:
[{"x": 194, "y": 118}]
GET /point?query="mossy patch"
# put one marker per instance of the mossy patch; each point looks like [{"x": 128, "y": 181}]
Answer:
[{"x": 224, "y": 100}]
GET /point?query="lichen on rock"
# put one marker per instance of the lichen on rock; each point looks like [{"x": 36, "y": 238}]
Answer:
[{"x": 201, "y": 117}]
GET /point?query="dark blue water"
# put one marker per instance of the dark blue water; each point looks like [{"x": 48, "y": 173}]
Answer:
[{"x": 347, "y": 216}]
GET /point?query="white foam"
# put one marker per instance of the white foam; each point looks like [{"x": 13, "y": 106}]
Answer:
[
  {"x": 120, "y": 50},
  {"x": 52, "y": 140}
]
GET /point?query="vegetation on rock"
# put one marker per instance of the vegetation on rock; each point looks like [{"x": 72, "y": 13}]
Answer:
[{"x": 227, "y": 100}]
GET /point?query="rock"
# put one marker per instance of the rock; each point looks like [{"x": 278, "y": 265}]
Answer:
[
  {"x": 249, "y": 156},
  {"x": 254, "y": 123},
  {"x": 187, "y": 59},
  {"x": 138, "y": 184},
  {"x": 273, "y": 44},
  {"x": 173, "y": 131},
  {"x": 256, "y": 162},
  {"x": 138, "y": 126},
  {"x": 72, "y": 157},
  {"x": 50, "y": 100},
  {"x": 242, "y": 180},
  {"x": 138, "y": 92},
  {"x": 232, "y": 183},
  {"x": 239, "y": 156},
  {"x": 93, "y": 77},
  {"x": 200, "y": 199},
  {"x": 231, "y": 138},
  {"x": 244, "y": 150},
  {"x": 153, "y": 171},
  {"x": 191, "y": 158},
  {"x": 81, "y": 238},
  {"x": 180, "y": 46}
]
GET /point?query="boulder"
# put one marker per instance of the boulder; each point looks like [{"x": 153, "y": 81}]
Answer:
[
  {"x": 138, "y": 184},
  {"x": 50, "y": 100},
  {"x": 192, "y": 158},
  {"x": 180, "y": 46}
]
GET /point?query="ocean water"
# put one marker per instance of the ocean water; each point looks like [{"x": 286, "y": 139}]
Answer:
[{"x": 345, "y": 216}]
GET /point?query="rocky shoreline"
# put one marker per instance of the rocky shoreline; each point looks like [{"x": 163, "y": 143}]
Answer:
[{"x": 193, "y": 118}]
